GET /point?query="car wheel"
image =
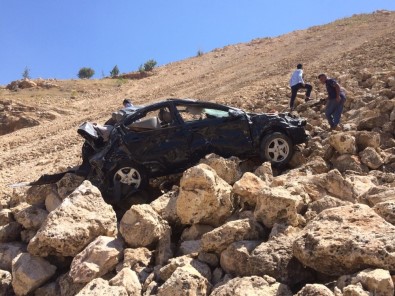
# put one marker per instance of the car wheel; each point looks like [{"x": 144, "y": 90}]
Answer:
[
  {"x": 126, "y": 178},
  {"x": 130, "y": 174},
  {"x": 276, "y": 148}
]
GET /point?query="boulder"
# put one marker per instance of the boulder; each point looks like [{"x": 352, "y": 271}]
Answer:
[
  {"x": 36, "y": 195},
  {"x": 248, "y": 188},
  {"x": 30, "y": 217},
  {"x": 166, "y": 206},
  {"x": 48, "y": 290},
  {"x": 30, "y": 272},
  {"x": 346, "y": 239},
  {"x": 101, "y": 287},
  {"x": 371, "y": 158},
  {"x": 98, "y": 258},
  {"x": 67, "y": 286},
  {"x": 377, "y": 194},
  {"x": 141, "y": 226},
  {"x": 235, "y": 259},
  {"x": 348, "y": 162},
  {"x": 315, "y": 290},
  {"x": 226, "y": 168},
  {"x": 135, "y": 259},
  {"x": 344, "y": 143},
  {"x": 166, "y": 271},
  {"x": 185, "y": 280},
  {"x": 8, "y": 251},
  {"x": 68, "y": 229},
  {"x": 195, "y": 232},
  {"x": 386, "y": 210},
  {"x": 253, "y": 285},
  {"x": 220, "y": 238},
  {"x": 275, "y": 205},
  {"x": 6, "y": 217},
  {"x": 204, "y": 197},
  {"x": 376, "y": 281},
  {"x": 128, "y": 279},
  {"x": 265, "y": 172},
  {"x": 373, "y": 122},
  {"x": 5, "y": 283},
  {"x": 366, "y": 139},
  {"x": 10, "y": 232},
  {"x": 275, "y": 258}
]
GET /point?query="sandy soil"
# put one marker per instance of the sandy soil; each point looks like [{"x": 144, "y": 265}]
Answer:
[{"x": 251, "y": 75}]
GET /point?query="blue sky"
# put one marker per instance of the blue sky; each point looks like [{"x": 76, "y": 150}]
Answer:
[{"x": 54, "y": 39}]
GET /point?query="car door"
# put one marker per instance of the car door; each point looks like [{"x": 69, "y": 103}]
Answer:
[
  {"x": 161, "y": 148},
  {"x": 215, "y": 129}
]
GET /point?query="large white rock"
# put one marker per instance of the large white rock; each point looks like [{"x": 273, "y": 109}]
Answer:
[
  {"x": 221, "y": 237},
  {"x": 185, "y": 280},
  {"x": 344, "y": 143},
  {"x": 376, "y": 281},
  {"x": 386, "y": 210},
  {"x": 248, "y": 188},
  {"x": 253, "y": 285},
  {"x": 371, "y": 158},
  {"x": 166, "y": 271},
  {"x": 166, "y": 206},
  {"x": 128, "y": 279},
  {"x": 227, "y": 168},
  {"x": 100, "y": 287},
  {"x": 204, "y": 197},
  {"x": 141, "y": 226},
  {"x": 29, "y": 272},
  {"x": 98, "y": 258},
  {"x": 30, "y": 217},
  {"x": 81, "y": 217},
  {"x": 8, "y": 251},
  {"x": 346, "y": 239},
  {"x": 315, "y": 289},
  {"x": 277, "y": 205}
]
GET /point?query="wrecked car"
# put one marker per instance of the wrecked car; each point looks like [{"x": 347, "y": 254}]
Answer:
[{"x": 170, "y": 136}]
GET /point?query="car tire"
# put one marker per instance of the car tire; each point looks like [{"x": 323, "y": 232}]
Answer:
[
  {"x": 276, "y": 148},
  {"x": 126, "y": 178}
]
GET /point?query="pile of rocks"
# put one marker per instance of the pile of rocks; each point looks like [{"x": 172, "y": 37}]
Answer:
[
  {"x": 229, "y": 228},
  {"x": 28, "y": 83}
]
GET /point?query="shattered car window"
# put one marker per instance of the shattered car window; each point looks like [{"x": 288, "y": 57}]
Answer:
[
  {"x": 193, "y": 113},
  {"x": 154, "y": 119}
]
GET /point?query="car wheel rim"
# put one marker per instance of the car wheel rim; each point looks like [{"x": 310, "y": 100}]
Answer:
[
  {"x": 128, "y": 176},
  {"x": 278, "y": 150}
]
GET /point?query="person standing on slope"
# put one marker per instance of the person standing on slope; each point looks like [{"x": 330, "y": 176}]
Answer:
[
  {"x": 296, "y": 82},
  {"x": 335, "y": 102}
]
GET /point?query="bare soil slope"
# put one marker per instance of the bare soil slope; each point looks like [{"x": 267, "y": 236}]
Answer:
[{"x": 251, "y": 75}]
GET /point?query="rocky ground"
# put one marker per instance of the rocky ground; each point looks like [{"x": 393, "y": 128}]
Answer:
[{"x": 323, "y": 226}]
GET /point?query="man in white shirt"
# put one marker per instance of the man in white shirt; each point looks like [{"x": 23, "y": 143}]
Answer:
[{"x": 296, "y": 82}]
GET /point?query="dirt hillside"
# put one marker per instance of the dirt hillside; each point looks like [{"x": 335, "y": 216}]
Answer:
[{"x": 250, "y": 75}]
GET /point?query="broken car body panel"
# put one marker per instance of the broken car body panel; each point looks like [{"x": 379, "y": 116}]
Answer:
[{"x": 170, "y": 136}]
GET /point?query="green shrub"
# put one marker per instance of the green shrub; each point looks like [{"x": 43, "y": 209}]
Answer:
[
  {"x": 149, "y": 65},
  {"x": 199, "y": 53},
  {"x": 86, "y": 73},
  {"x": 26, "y": 73},
  {"x": 114, "y": 72}
]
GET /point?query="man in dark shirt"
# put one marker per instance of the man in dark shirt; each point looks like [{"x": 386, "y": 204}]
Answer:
[{"x": 336, "y": 99}]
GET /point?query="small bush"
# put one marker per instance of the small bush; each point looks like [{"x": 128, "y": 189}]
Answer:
[
  {"x": 149, "y": 65},
  {"x": 26, "y": 73},
  {"x": 114, "y": 72},
  {"x": 86, "y": 73},
  {"x": 199, "y": 53},
  {"x": 141, "y": 69}
]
